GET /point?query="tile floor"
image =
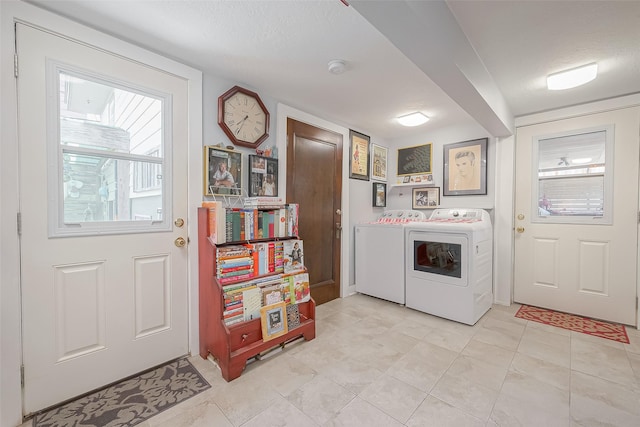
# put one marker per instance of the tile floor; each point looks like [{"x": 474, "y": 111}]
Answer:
[{"x": 375, "y": 363}]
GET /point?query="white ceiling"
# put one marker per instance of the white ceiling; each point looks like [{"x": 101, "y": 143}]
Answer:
[{"x": 456, "y": 61}]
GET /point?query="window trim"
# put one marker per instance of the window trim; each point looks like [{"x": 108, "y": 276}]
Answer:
[
  {"x": 607, "y": 217},
  {"x": 55, "y": 198}
]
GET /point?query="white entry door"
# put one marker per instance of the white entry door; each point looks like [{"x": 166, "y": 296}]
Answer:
[
  {"x": 103, "y": 185},
  {"x": 577, "y": 215}
]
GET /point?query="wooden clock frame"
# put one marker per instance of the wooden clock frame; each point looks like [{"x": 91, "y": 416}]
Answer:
[{"x": 228, "y": 94}]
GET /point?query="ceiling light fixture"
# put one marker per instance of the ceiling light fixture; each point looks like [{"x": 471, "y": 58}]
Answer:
[
  {"x": 337, "y": 66},
  {"x": 413, "y": 119},
  {"x": 572, "y": 78}
]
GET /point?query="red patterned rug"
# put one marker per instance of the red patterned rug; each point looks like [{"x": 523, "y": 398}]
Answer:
[{"x": 598, "y": 328}]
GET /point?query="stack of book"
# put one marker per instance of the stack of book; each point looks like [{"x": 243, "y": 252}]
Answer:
[
  {"x": 234, "y": 263},
  {"x": 268, "y": 257},
  {"x": 242, "y": 301},
  {"x": 251, "y": 223}
]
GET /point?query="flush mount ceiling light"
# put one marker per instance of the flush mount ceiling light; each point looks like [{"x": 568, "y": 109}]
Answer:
[
  {"x": 337, "y": 66},
  {"x": 413, "y": 119},
  {"x": 573, "y": 77}
]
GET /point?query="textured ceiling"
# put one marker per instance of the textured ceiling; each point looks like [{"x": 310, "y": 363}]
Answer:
[{"x": 282, "y": 48}]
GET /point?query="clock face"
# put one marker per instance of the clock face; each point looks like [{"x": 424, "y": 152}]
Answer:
[{"x": 243, "y": 117}]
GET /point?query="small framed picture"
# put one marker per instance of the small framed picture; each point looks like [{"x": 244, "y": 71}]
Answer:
[
  {"x": 273, "y": 319},
  {"x": 379, "y": 195},
  {"x": 465, "y": 168},
  {"x": 426, "y": 198},
  {"x": 222, "y": 171},
  {"x": 359, "y": 162},
  {"x": 378, "y": 163},
  {"x": 263, "y": 176}
]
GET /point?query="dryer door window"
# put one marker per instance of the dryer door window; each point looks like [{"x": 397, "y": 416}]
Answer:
[{"x": 440, "y": 258}]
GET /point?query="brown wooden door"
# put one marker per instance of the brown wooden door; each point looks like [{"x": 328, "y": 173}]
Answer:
[{"x": 314, "y": 181}]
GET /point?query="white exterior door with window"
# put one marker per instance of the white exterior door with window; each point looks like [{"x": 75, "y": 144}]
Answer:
[
  {"x": 103, "y": 186},
  {"x": 576, "y": 206}
]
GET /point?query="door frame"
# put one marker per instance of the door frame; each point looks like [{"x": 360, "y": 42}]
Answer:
[
  {"x": 505, "y": 210},
  {"x": 10, "y": 300},
  {"x": 285, "y": 112}
]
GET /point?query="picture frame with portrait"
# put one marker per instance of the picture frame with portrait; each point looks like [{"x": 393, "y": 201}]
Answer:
[
  {"x": 222, "y": 171},
  {"x": 379, "y": 195},
  {"x": 379, "y": 156},
  {"x": 263, "y": 176},
  {"x": 465, "y": 168},
  {"x": 359, "y": 155},
  {"x": 273, "y": 320},
  {"x": 425, "y": 198}
]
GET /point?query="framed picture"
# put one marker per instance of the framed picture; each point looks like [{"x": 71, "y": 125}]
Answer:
[
  {"x": 222, "y": 171},
  {"x": 425, "y": 198},
  {"x": 379, "y": 195},
  {"x": 273, "y": 319},
  {"x": 415, "y": 160},
  {"x": 263, "y": 176},
  {"x": 378, "y": 162},
  {"x": 359, "y": 162},
  {"x": 465, "y": 168}
]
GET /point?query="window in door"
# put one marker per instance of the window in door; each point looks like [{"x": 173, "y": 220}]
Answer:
[
  {"x": 108, "y": 169},
  {"x": 574, "y": 179}
]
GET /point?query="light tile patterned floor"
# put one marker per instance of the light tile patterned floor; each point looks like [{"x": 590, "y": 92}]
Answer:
[{"x": 375, "y": 363}]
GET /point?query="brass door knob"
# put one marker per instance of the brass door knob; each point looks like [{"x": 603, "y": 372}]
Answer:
[
  {"x": 520, "y": 229},
  {"x": 180, "y": 242}
]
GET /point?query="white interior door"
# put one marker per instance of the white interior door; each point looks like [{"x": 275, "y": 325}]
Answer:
[
  {"x": 103, "y": 183},
  {"x": 577, "y": 215}
]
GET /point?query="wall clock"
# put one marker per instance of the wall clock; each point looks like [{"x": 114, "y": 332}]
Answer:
[{"x": 243, "y": 117}]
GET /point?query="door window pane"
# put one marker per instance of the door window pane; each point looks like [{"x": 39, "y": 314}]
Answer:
[
  {"x": 572, "y": 178},
  {"x": 111, "y": 154}
]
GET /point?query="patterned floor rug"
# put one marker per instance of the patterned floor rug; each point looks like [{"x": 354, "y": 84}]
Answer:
[
  {"x": 129, "y": 402},
  {"x": 598, "y": 328}
]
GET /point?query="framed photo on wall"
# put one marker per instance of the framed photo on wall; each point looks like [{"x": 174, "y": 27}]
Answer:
[
  {"x": 465, "y": 168},
  {"x": 222, "y": 171},
  {"x": 378, "y": 163},
  {"x": 263, "y": 176},
  {"x": 359, "y": 161},
  {"x": 425, "y": 198},
  {"x": 415, "y": 160},
  {"x": 273, "y": 320},
  {"x": 379, "y": 195}
]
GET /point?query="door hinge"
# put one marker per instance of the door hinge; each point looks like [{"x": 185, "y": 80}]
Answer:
[
  {"x": 22, "y": 376},
  {"x": 15, "y": 65},
  {"x": 19, "y": 221}
]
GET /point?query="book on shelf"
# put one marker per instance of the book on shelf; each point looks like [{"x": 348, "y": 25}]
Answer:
[
  {"x": 300, "y": 290},
  {"x": 217, "y": 221},
  {"x": 293, "y": 316},
  {"x": 292, "y": 219},
  {"x": 293, "y": 253},
  {"x": 272, "y": 294},
  {"x": 263, "y": 201},
  {"x": 252, "y": 303}
]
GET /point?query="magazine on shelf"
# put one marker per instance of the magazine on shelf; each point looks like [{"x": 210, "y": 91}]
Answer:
[{"x": 293, "y": 255}]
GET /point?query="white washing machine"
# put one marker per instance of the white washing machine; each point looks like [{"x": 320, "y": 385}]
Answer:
[
  {"x": 380, "y": 254},
  {"x": 449, "y": 271}
]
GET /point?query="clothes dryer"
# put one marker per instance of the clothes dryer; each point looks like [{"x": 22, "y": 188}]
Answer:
[
  {"x": 449, "y": 271},
  {"x": 380, "y": 254}
]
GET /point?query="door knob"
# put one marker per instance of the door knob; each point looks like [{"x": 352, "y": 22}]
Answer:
[
  {"x": 180, "y": 242},
  {"x": 520, "y": 229}
]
